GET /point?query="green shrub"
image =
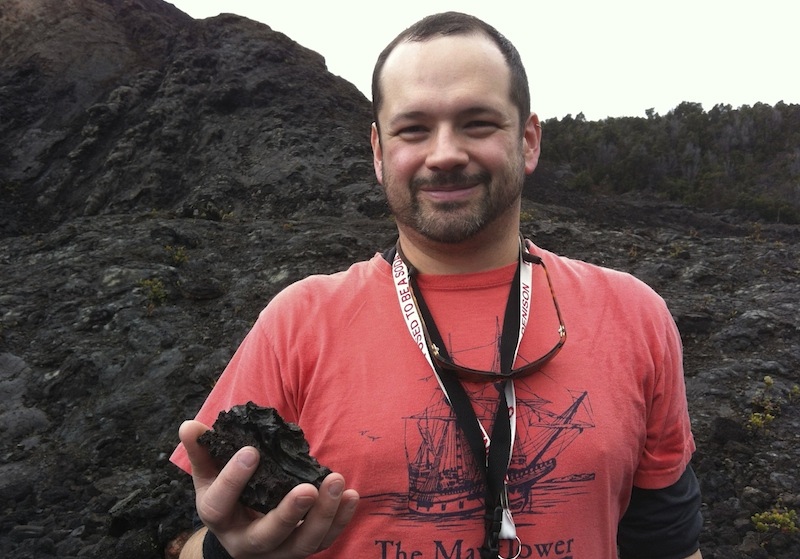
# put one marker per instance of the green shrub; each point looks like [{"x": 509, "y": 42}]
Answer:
[{"x": 776, "y": 520}]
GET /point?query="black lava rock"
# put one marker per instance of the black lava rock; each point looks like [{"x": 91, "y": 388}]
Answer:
[
  {"x": 285, "y": 459},
  {"x": 162, "y": 178}
]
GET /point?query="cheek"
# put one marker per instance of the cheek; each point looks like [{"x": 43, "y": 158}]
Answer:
[
  {"x": 400, "y": 165},
  {"x": 498, "y": 155}
]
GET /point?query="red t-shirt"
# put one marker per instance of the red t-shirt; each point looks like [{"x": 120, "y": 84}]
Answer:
[{"x": 333, "y": 354}]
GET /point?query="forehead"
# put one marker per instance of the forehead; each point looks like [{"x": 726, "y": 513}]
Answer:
[{"x": 444, "y": 72}]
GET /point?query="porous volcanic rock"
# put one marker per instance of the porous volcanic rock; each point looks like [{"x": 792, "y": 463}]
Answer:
[
  {"x": 161, "y": 178},
  {"x": 285, "y": 460}
]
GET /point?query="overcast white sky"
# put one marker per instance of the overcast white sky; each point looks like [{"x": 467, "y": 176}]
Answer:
[{"x": 602, "y": 58}]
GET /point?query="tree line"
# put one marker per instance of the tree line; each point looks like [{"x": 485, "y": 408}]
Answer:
[{"x": 746, "y": 158}]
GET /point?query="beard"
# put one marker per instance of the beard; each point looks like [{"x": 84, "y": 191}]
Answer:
[{"x": 455, "y": 222}]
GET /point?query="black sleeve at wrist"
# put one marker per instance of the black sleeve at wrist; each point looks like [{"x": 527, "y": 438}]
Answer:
[
  {"x": 212, "y": 549},
  {"x": 662, "y": 523}
]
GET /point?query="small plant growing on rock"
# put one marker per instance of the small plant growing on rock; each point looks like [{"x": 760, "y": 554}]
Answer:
[
  {"x": 764, "y": 400},
  {"x": 177, "y": 254},
  {"x": 155, "y": 292},
  {"x": 766, "y": 407},
  {"x": 759, "y": 421},
  {"x": 679, "y": 251},
  {"x": 779, "y": 519}
]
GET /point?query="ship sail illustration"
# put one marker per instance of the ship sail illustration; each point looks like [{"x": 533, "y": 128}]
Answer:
[{"x": 441, "y": 471}]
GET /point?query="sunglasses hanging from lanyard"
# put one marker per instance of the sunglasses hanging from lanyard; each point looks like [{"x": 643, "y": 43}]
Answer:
[{"x": 491, "y": 453}]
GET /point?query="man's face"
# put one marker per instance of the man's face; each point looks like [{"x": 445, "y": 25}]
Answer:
[{"x": 450, "y": 153}]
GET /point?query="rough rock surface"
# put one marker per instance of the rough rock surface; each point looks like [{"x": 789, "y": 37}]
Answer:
[
  {"x": 285, "y": 460},
  {"x": 161, "y": 178}
]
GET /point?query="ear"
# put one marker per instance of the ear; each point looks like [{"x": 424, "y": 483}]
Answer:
[
  {"x": 532, "y": 141},
  {"x": 377, "y": 153}
]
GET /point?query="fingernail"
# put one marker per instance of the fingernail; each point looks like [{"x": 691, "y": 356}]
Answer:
[
  {"x": 247, "y": 458},
  {"x": 336, "y": 489}
]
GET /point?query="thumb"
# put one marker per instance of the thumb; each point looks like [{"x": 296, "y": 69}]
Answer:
[{"x": 204, "y": 468}]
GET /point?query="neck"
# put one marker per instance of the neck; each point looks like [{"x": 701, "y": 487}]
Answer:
[{"x": 486, "y": 251}]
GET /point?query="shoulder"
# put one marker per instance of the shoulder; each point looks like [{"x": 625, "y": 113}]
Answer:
[
  {"x": 325, "y": 292},
  {"x": 583, "y": 276},
  {"x": 359, "y": 276},
  {"x": 615, "y": 295}
]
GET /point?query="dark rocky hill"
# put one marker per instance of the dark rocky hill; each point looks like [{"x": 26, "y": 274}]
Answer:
[
  {"x": 121, "y": 106},
  {"x": 161, "y": 178}
]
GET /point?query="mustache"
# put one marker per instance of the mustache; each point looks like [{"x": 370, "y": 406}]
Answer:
[{"x": 451, "y": 178}]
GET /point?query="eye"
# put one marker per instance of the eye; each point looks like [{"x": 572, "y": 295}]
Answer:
[
  {"x": 481, "y": 127},
  {"x": 412, "y": 132}
]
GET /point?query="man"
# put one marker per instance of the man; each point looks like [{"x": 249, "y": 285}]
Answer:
[{"x": 437, "y": 378}]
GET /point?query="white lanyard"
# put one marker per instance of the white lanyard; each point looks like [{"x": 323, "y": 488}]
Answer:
[{"x": 413, "y": 320}]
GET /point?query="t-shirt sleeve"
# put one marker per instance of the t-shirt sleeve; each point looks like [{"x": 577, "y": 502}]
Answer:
[
  {"x": 249, "y": 376},
  {"x": 669, "y": 442}
]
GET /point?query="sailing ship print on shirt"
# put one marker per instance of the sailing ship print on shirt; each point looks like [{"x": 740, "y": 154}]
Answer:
[
  {"x": 443, "y": 481},
  {"x": 442, "y": 476}
]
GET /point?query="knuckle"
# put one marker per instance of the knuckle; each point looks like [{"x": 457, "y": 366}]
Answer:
[
  {"x": 209, "y": 513},
  {"x": 287, "y": 521},
  {"x": 229, "y": 483}
]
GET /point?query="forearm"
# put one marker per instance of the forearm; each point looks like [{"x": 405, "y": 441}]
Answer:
[{"x": 194, "y": 545}]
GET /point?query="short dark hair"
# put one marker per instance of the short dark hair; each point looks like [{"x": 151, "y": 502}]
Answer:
[{"x": 456, "y": 23}]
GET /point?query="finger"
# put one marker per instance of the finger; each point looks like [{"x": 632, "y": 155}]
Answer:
[
  {"x": 204, "y": 468},
  {"x": 333, "y": 511},
  {"x": 220, "y": 500},
  {"x": 313, "y": 532},
  {"x": 344, "y": 514},
  {"x": 282, "y": 521}
]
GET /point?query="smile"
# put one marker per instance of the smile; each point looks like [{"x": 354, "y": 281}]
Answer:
[{"x": 447, "y": 193}]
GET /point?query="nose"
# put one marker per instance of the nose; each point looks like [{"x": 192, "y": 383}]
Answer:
[{"x": 446, "y": 150}]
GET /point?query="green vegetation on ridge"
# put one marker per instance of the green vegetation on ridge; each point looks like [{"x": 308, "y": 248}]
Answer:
[{"x": 746, "y": 158}]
